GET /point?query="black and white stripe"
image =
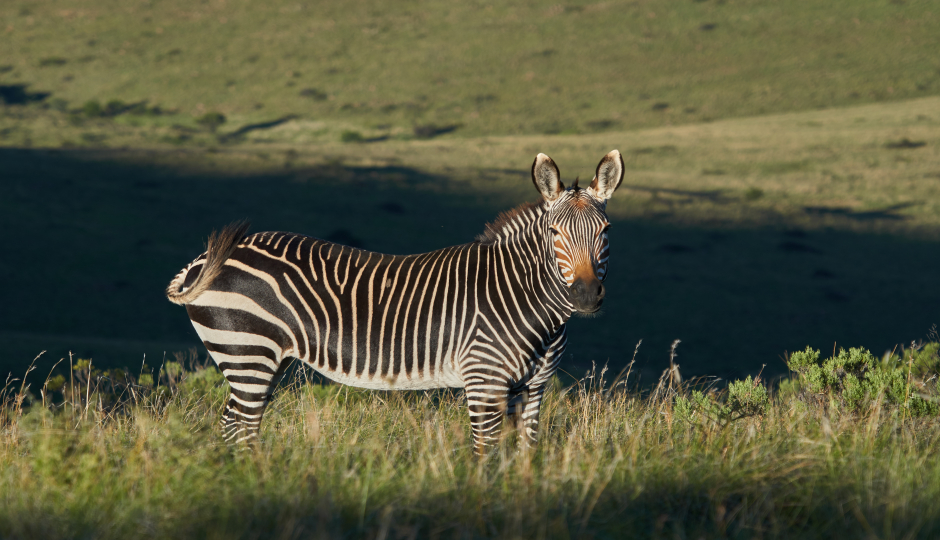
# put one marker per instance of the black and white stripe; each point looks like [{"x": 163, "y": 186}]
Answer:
[{"x": 488, "y": 316}]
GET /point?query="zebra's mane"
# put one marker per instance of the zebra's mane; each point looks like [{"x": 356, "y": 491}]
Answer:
[{"x": 493, "y": 229}]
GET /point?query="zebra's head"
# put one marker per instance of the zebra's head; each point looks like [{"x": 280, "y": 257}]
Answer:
[{"x": 577, "y": 223}]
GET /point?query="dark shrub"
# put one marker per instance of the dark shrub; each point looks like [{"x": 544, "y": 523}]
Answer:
[
  {"x": 350, "y": 136},
  {"x": 313, "y": 94},
  {"x": 211, "y": 120},
  {"x": 52, "y": 61},
  {"x": 114, "y": 107},
  {"x": 92, "y": 109}
]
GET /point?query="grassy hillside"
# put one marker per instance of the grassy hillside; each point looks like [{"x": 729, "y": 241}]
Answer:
[
  {"x": 743, "y": 238},
  {"x": 405, "y": 127},
  {"x": 782, "y": 188},
  {"x": 482, "y": 68}
]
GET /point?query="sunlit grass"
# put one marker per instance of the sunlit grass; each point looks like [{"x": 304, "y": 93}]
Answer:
[
  {"x": 868, "y": 168},
  {"x": 531, "y": 67},
  {"x": 335, "y": 462}
]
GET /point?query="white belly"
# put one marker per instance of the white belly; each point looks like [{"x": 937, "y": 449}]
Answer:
[{"x": 444, "y": 378}]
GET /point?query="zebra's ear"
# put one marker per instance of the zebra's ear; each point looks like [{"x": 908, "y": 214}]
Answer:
[
  {"x": 608, "y": 176},
  {"x": 546, "y": 177}
]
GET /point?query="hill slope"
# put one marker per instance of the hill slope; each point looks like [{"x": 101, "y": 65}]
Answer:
[
  {"x": 744, "y": 238},
  {"x": 529, "y": 67}
]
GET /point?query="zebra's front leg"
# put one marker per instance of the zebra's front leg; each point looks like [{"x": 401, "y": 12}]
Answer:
[
  {"x": 487, "y": 401},
  {"x": 531, "y": 397},
  {"x": 529, "y": 420}
]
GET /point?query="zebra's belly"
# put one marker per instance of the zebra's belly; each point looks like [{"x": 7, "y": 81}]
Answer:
[{"x": 446, "y": 378}]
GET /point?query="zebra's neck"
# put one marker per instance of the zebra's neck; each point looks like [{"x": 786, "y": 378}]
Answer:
[{"x": 522, "y": 235}]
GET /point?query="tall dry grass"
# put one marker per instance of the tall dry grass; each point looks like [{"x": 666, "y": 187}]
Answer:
[{"x": 145, "y": 461}]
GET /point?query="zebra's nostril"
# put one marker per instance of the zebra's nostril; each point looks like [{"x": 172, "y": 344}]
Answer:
[{"x": 600, "y": 291}]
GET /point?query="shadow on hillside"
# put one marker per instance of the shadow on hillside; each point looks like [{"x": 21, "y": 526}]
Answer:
[{"x": 95, "y": 237}]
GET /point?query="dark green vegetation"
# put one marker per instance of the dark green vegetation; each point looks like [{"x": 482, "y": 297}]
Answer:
[
  {"x": 122, "y": 456},
  {"x": 481, "y": 68}
]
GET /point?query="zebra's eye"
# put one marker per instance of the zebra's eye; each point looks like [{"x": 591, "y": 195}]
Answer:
[{"x": 554, "y": 230}]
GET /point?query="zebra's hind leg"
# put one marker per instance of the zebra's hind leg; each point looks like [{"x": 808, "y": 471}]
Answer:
[
  {"x": 242, "y": 422},
  {"x": 252, "y": 384}
]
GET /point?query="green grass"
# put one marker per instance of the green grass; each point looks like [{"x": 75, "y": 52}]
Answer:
[
  {"x": 840, "y": 245},
  {"x": 534, "y": 67},
  {"x": 870, "y": 168},
  {"x": 781, "y": 190},
  {"x": 104, "y": 458},
  {"x": 743, "y": 233}
]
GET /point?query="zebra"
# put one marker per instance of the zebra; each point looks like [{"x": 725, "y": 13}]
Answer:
[{"x": 488, "y": 316}]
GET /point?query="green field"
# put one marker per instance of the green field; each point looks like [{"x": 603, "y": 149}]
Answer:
[
  {"x": 782, "y": 190},
  {"x": 744, "y": 238},
  {"x": 116, "y": 457},
  {"x": 484, "y": 68}
]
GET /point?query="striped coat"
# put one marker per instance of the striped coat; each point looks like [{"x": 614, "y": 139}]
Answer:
[{"x": 488, "y": 316}]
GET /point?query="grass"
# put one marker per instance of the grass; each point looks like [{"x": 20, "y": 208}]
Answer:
[
  {"x": 839, "y": 245},
  {"x": 533, "y": 67},
  {"x": 868, "y": 168},
  {"x": 117, "y": 457},
  {"x": 781, "y": 159},
  {"x": 781, "y": 191}
]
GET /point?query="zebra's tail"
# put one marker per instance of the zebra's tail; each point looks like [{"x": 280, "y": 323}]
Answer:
[{"x": 220, "y": 247}]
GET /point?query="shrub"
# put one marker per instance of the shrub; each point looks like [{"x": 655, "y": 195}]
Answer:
[
  {"x": 54, "y": 384},
  {"x": 752, "y": 194},
  {"x": 211, "y": 120},
  {"x": 742, "y": 399},
  {"x": 350, "y": 136},
  {"x": 854, "y": 379},
  {"x": 141, "y": 109},
  {"x": 314, "y": 94},
  {"x": 698, "y": 406},
  {"x": 52, "y": 61},
  {"x": 747, "y": 397},
  {"x": 114, "y": 107},
  {"x": 92, "y": 109},
  {"x": 204, "y": 383},
  {"x": 926, "y": 360}
]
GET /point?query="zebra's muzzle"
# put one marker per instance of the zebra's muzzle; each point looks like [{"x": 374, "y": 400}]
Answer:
[{"x": 587, "y": 295}]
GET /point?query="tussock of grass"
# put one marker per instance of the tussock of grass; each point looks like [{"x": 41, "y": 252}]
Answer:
[{"x": 341, "y": 462}]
